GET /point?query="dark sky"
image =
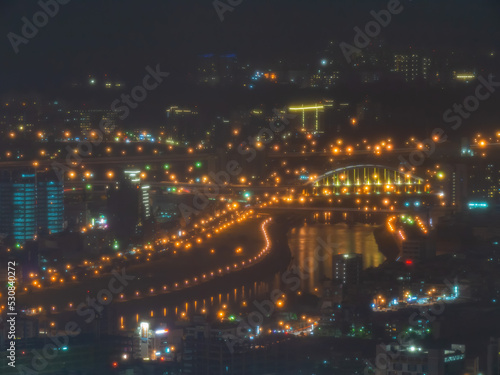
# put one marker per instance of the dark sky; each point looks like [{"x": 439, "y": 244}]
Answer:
[{"x": 124, "y": 36}]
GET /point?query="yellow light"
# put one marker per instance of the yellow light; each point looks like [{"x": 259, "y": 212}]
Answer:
[{"x": 306, "y": 108}]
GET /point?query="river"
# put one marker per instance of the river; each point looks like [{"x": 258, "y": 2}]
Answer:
[{"x": 357, "y": 238}]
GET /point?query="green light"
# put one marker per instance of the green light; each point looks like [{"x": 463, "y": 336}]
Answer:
[
  {"x": 18, "y": 245},
  {"x": 148, "y": 167},
  {"x": 440, "y": 175},
  {"x": 198, "y": 164},
  {"x": 166, "y": 166},
  {"x": 116, "y": 245},
  {"x": 232, "y": 317},
  {"x": 89, "y": 187}
]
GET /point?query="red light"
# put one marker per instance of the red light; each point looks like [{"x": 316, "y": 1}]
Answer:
[
  {"x": 162, "y": 359},
  {"x": 409, "y": 261},
  {"x": 115, "y": 364}
]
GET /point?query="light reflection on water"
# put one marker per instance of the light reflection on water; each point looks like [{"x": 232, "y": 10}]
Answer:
[{"x": 303, "y": 242}]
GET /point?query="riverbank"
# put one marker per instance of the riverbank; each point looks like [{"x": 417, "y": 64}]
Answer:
[{"x": 386, "y": 243}]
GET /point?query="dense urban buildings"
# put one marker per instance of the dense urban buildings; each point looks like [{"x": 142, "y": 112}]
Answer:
[
  {"x": 31, "y": 203},
  {"x": 238, "y": 188}
]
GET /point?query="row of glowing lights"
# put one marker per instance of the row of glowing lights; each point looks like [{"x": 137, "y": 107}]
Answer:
[
  {"x": 375, "y": 176},
  {"x": 202, "y": 278},
  {"x": 55, "y": 275},
  {"x": 222, "y": 226},
  {"x": 273, "y": 200},
  {"x": 223, "y": 312},
  {"x": 367, "y": 190},
  {"x": 392, "y": 227},
  {"x": 228, "y": 268},
  {"x": 344, "y": 178},
  {"x": 335, "y": 148},
  {"x": 380, "y": 299},
  {"x": 417, "y": 220},
  {"x": 92, "y": 135},
  {"x": 377, "y": 148},
  {"x": 110, "y": 174},
  {"x": 109, "y": 150},
  {"x": 338, "y": 147}
]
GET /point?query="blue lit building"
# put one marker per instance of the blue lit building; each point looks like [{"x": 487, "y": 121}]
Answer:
[{"x": 30, "y": 204}]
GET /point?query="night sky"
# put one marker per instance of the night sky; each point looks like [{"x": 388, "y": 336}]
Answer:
[{"x": 121, "y": 37}]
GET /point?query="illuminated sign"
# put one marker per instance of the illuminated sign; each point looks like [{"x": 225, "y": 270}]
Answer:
[
  {"x": 144, "y": 331},
  {"x": 454, "y": 358},
  {"x": 474, "y": 205}
]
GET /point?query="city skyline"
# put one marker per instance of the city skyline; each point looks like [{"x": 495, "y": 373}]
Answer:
[{"x": 224, "y": 187}]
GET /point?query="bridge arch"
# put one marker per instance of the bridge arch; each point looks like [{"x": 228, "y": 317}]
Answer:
[{"x": 366, "y": 179}]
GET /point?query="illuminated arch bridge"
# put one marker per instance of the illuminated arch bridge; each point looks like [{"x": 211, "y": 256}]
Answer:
[{"x": 364, "y": 180}]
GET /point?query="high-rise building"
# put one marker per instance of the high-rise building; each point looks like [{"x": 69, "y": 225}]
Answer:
[
  {"x": 183, "y": 124},
  {"x": 412, "y": 66},
  {"x": 145, "y": 201},
  {"x": 87, "y": 119},
  {"x": 129, "y": 208},
  {"x": 418, "y": 360},
  {"x": 216, "y": 69},
  {"x": 30, "y": 203},
  {"x": 484, "y": 180},
  {"x": 324, "y": 79},
  {"x": 414, "y": 246},
  {"x": 347, "y": 268}
]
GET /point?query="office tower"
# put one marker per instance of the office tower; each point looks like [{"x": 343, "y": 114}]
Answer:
[
  {"x": 412, "y": 66},
  {"x": 123, "y": 212},
  {"x": 144, "y": 202},
  {"x": 347, "y": 268},
  {"x": 484, "y": 180},
  {"x": 183, "y": 124},
  {"x": 87, "y": 119},
  {"x": 418, "y": 360},
  {"x": 129, "y": 208},
  {"x": 30, "y": 203}
]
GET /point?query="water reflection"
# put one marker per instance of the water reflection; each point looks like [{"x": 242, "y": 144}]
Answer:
[
  {"x": 358, "y": 238},
  {"x": 303, "y": 242}
]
